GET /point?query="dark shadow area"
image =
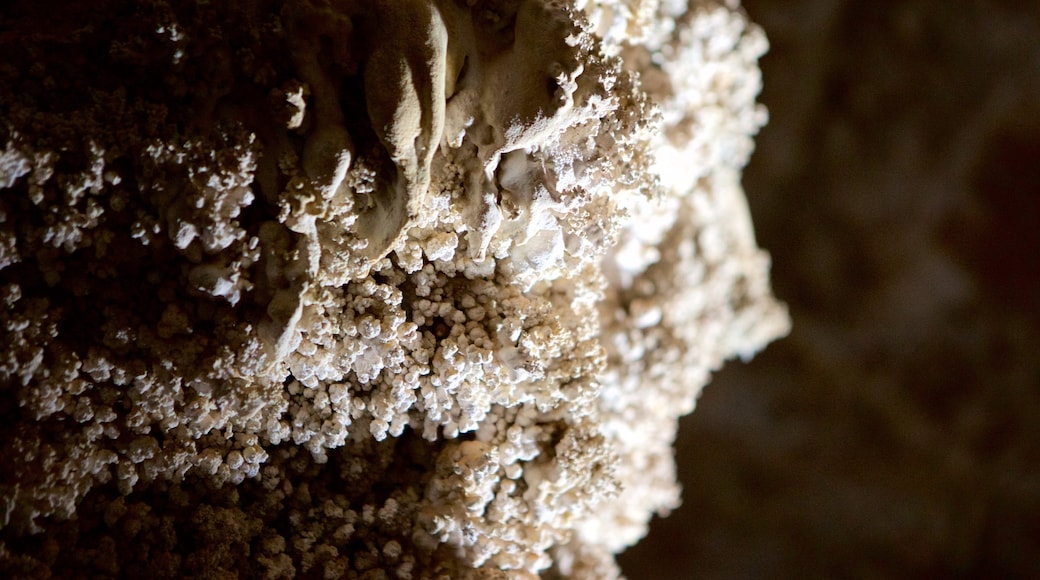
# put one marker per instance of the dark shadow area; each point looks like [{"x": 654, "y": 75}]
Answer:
[{"x": 895, "y": 432}]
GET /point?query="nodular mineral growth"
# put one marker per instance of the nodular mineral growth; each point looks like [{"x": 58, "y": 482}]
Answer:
[{"x": 364, "y": 289}]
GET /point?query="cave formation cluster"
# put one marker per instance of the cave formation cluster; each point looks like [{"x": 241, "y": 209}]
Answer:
[{"x": 361, "y": 289}]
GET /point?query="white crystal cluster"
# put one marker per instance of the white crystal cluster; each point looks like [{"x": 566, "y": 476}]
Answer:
[{"x": 535, "y": 249}]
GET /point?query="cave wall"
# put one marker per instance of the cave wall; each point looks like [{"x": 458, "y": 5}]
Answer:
[{"x": 895, "y": 432}]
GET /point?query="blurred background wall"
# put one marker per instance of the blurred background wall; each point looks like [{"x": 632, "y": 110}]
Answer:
[{"x": 896, "y": 432}]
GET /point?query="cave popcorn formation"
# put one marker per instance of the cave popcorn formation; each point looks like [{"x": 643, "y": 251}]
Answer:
[{"x": 483, "y": 266}]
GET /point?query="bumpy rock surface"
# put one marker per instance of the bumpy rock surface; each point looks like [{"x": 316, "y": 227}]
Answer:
[{"x": 364, "y": 289}]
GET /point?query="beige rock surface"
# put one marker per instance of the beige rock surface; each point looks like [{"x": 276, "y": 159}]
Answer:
[{"x": 404, "y": 289}]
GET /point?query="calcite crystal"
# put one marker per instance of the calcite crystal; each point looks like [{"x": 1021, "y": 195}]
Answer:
[{"x": 364, "y": 289}]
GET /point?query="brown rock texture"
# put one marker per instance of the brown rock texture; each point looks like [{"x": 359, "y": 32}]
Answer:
[{"x": 351, "y": 289}]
